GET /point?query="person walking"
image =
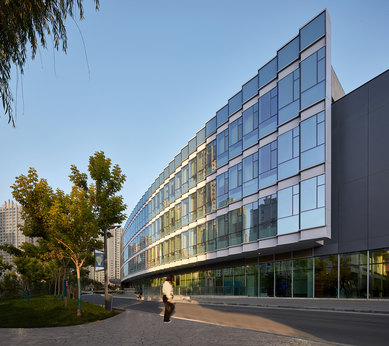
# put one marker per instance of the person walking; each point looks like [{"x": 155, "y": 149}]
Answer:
[{"x": 167, "y": 291}]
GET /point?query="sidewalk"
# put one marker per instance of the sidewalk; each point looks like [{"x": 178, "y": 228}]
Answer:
[
  {"x": 328, "y": 304},
  {"x": 143, "y": 328}
]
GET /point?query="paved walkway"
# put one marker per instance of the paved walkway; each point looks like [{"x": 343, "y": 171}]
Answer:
[
  {"x": 142, "y": 328},
  {"x": 134, "y": 327}
]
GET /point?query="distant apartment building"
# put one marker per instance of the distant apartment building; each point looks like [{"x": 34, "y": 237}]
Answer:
[
  {"x": 10, "y": 218},
  {"x": 113, "y": 252}
]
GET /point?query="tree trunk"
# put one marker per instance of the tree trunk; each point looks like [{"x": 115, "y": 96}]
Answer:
[
  {"x": 79, "y": 290},
  {"x": 63, "y": 282},
  {"x": 55, "y": 285},
  {"x": 59, "y": 282}
]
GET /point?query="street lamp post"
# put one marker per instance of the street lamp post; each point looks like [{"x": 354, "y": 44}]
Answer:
[{"x": 107, "y": 298}]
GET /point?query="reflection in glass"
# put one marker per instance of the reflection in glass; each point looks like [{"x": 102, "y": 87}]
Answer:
[
  {"x": 353, "y": 275},
  {"x": 267, "y": 212},
  {"x": 268, "y": 165},
  {"x": 250, "y": 222},
  {"x": 289, "y": 53},
  {"x": 235, "y": 227},
  {"x": 268, "y": 113},
  {"x": 250, "y": 126},
  {"x": 284, "y": 279},
  {"x": 235, "y": 137},
  {"x": 235, "y": 103},
  {"x": 235, "y": 183},
  {"x": 250, "y": 89},
  {"x": 266, "y": 280},
  {"x": 288, "y": 210},
  {"x": 222, "y": 148},
  {"x": 313, "y": 31},
  {"x": 288, "y": 97},
  {"x": 222, "y": 190},
  {"x": 313, "y": 202},
  {"x": 222, "y": 231},
  {"x": 326, "y": 276},
  {"x": 250, "y": 174},
  {"x": 379, "y": 273},
  {"x": 313, "y": 78},
  {"x": 303, "y": 277},
  {"x": 267, "y": 72},
  {"x": 288, "y": 154}
]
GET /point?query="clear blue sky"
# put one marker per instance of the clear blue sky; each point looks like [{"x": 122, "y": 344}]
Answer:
[{"x": 158, "y": 71}]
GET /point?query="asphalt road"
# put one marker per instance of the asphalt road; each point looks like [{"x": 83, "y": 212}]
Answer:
[{"x": 334, "y": 327}]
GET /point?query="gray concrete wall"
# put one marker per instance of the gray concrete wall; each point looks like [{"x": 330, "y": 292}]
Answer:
[{"x": 360, "y": 169}]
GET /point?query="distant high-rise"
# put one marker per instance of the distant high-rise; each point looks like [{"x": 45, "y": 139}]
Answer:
[
  {"x": 10, "y": 219},
  {"x": 114, "y": 251}
]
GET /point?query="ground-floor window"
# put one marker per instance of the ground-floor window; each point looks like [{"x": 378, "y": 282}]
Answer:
[{"x": 351, "y": 275}]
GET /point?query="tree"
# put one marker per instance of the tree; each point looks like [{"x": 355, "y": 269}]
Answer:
[
  {"x": 72, "y": 224},
  {"x": 107, "y": 182},
  {"x": 69, "y": 226},
  {"x": 28, "y": 23},
  {"x": 4, "y": 266},
  {"x": 108, "y": 207}
]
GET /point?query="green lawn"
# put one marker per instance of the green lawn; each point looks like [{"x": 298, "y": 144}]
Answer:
[{"x": 47, "y": 311}]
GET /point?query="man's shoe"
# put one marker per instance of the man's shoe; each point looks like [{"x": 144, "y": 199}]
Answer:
[{"x": 167, "y": 321}]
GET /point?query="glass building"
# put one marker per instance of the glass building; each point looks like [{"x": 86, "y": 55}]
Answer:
[{"x": 245, "y": 207}]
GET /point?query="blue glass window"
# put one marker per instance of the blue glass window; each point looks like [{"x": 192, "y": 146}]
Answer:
[
  {"x": 268, "y": 113},
  {"x": 178, "y": 183},
  {"x": 250, "y": 222},
  {"x": 313, "y": 78},
  {"x": 192, "y": 207},
  {"x": 211, "y": 237},
  {"x": 289, "y": 53},
  {"x": 250, "y": 174},
  {"x": 313, "y": 202},
  {"x": 192, "y": 145},
  {"x": 267, "y": 211},
  {"x": 211, "y": 162},
  {"x": 210, "y": 127},
  {"x": 222, "y": 148},
  {"x": 267, "y": 72},
  {"x": 250, "y": 126},
  {"x": 288, "y": 97},
  {"x": 171, "y": 168},
  {"x": 235, "y": 137},
  {"x": 201, "y": 165},
  {"x": 185, "y": 179},
  {"x": 171, "y": 190},
  {"x": 288, "y": 210},
  {"x": 166, "y": 172},
  {"x": 210, "y": 196},
  {"x": 192, "y": 242},
  {"x": 235, "y": 183},
  {"x": 289, "y": 153},
  {"x": 313, "y": 141},
  {"x": 235, "y": 227},
  {"x": 235, "y": 103},
  {"x": 222, "y": 115},
  {"x": 250, "y": 89},
  {"x": 222, "y": 231},
  {"x": 192, "y": 172},
  {"x": 200, "y": 136},
  {"x": 313, "y": 31},
  {"x": 185, "y": 152},
  {"x": 177, "y": 160},
  {"x": 268, "y": 165},
  {"x": 222, "y": 190}
]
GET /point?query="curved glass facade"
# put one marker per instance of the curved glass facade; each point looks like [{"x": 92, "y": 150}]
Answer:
[{"x": 254, "y": 179}]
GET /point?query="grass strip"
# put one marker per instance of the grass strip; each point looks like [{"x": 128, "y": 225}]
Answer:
[{"x": 48, "y": 311}]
